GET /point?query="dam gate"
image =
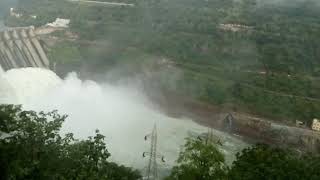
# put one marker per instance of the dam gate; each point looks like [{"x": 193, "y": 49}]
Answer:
[{"x": 20, "y": 47}]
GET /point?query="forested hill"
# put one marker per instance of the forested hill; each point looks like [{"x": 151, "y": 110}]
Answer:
[{"x": 254, "y": 56}]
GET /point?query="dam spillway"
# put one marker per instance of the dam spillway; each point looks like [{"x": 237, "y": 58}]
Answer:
[
  {"x": 121, "y": 112},
  {"x": 20, "y": 47}
]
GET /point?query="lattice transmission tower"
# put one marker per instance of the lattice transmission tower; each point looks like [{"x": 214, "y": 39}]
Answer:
[{"x": 152, "y": 168}]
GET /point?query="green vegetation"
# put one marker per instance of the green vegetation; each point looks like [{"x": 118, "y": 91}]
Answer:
[
  {"x": 31, "y": 147},
  {"x": 64, "y": 52},
  {"x": 201, "y": 161},
  {"x": 268, "y": 67},
  {"x": 263, "y": 162}
]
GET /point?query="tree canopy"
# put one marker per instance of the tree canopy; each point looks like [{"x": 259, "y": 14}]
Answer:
[
  {"x": 31, "y": 147},
  {"x": 199, "y": 161},
  {"x": 265, "y": 162}
]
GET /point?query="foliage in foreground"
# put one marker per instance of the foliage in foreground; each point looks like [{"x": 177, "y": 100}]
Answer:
[
  {"x": 201, "y": 161},
  {"x": 264, "y": 162},
  {"x": 32, "y": 148}
]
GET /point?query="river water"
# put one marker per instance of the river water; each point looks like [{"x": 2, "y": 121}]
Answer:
[{"x": 121, "y": 112}]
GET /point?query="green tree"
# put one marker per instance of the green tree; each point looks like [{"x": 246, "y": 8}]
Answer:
[
  {"x": 199, "y": 161},
  {"x": 32, "y": 148},
  {"x": 265, "y": 162}
]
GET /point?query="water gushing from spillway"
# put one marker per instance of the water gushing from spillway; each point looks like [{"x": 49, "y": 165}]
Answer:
[{"x": 121, "y": 113}]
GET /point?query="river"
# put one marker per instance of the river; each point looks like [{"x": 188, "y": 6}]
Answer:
[{"x": 121, "y": 112}]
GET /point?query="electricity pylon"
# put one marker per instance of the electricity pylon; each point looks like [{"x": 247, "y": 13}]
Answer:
[{"x": 152, "y": 169}]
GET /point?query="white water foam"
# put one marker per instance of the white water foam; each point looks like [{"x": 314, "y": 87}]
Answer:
[
  {"x": 121, "y": 113},
  {"x": 26, "y": 84}
]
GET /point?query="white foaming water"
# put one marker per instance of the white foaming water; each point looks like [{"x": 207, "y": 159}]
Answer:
[
  {"x": 25, "y": 84},
  {"x": 121, "y": 113}
]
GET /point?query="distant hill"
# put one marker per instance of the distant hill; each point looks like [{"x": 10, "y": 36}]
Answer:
[{"x": 260, "y": 58}]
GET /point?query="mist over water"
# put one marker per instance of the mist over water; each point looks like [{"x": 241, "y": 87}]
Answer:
[
  {"x": 121, "y": 113},
  {"x": 27, "y": 84}
]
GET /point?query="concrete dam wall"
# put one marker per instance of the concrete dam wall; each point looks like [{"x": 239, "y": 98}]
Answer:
[{"x": 20, "y": 47}]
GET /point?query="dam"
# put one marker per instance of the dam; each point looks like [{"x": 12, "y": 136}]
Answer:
[
  {"x": 20, "y": 47},
  {"x": 121, "y": 112}
]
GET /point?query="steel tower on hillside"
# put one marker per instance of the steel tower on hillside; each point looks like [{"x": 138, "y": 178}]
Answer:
[{"x": 152, "y": 169}]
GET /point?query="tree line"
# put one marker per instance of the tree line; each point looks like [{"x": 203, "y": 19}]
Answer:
[{"x": 31, "y": 147}]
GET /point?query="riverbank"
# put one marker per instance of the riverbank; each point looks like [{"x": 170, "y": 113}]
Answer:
[
  {"x": 251, "y": 127},
  {"x": 248, "y": 127}
]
